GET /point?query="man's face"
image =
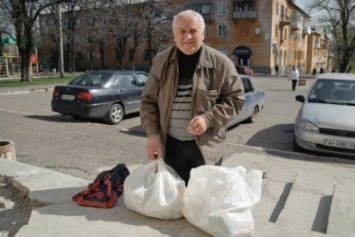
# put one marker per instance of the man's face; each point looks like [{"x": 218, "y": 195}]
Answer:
[{"x": 188, "y": 34}]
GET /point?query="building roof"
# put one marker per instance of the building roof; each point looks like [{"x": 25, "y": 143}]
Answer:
[{"x": 291, "y": 2}]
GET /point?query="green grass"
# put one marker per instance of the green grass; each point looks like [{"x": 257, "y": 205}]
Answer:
[{"x": 35, "y": 81}]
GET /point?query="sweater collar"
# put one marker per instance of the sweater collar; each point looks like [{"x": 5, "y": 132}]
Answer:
[{"x": 205, "y": 59}]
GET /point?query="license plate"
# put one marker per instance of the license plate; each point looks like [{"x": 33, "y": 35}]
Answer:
[
  {"x": 340, "y": 144},
  {"x": 68, "y": 97}
]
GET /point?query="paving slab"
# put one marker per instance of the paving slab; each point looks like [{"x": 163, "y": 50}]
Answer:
[
  {"x": 315, "y": 183},
  {"x": 247, "y": 160},
  {"x": 69, "y": 219},
  {"x": 342, "y": 212},
  {"x": 275, "y": 230},
  {"x": 304, "y": 211}
]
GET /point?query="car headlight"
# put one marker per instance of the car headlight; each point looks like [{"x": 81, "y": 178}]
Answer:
[{"x": 308, "y": 126}]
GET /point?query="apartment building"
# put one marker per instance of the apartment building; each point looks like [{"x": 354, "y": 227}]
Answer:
[{"x": 258, "y": 33}]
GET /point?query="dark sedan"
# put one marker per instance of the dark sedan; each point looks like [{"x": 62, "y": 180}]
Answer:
[{"x": 108, "y": 95}]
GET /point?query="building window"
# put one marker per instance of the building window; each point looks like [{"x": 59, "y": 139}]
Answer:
[
  {"x": 276, "y": 30},
  {"x": 244, "y": 6},
  {"x": 277, "y": 8},
  {"x": 90, "y": 55},
  {"x": 251, "y": 7},
  {"x": 90, "y": 21},
  {"x": 282, "y": 11},
  {"x": 207, "y": 31},
  {"x": 222, "y": 30},
  {"x": 49, "y": 22},
  {"x": 222, "y": 8},
  {"x": 117, "y": 55},
  {"x": 201, "y": 8},
  {"x": 146, "y": 55},
  {"x": 65, "y": 23}
]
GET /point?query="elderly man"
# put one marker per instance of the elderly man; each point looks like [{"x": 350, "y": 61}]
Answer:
[{"x": 191, "y": 94}]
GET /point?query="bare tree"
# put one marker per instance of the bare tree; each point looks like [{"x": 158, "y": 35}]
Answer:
[
  {"x": 24, "y": 15},
  {"x": 72, "y": 10},
  {"x": 338, "y": 16},
  {"x": 120, "y": 19},
  {"x": 146, "y": 25},
  {"x": 5, "y": 25},
  {"x": 158, "y": 28}
]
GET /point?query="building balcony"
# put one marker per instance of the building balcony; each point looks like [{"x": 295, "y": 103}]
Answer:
[
  {"x": 296, "y": 21},
  {"x": 296, "y": 25},
  {"x": 284, "y": 21},
  {"x": 207, "y": 17},
  {"x": 306, "y": 30},
  {"x": 244, "y": 14}
]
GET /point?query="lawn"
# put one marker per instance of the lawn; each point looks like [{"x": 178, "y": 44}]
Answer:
[{"x": 35, "y": 81}]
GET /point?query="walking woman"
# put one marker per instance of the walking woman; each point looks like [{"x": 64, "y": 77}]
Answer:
[{"x": 294, "y": 75}]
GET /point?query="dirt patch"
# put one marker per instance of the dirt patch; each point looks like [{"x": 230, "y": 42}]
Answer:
[{"x": 15, "y": 208}]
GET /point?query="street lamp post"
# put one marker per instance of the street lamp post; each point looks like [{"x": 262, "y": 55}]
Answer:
[{"x": 61, "y": 59}]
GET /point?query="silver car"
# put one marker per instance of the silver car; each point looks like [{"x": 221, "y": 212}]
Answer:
[{"x": 326, "y": 121}]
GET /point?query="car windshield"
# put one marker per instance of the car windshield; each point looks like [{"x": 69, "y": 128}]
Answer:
[
  {"x": 91, "y": 79},
  {"x": 333, "y": 91}
]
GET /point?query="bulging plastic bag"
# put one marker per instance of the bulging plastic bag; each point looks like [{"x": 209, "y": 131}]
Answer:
[
  {"x": 155, "y": 190},
  {"x": 219, "y": 200}
]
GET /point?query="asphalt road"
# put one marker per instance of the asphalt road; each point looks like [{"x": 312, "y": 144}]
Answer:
[{"x": 83, "y": 148}]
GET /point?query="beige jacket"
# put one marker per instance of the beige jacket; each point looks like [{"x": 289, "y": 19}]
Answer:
[{"x": 217, "y": 95}]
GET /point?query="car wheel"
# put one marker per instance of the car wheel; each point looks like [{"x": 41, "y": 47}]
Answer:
[
  {"x": 296, "y": 147},
  {"x": 252, "y": 118},
  {"x": 116, "y": 114}
]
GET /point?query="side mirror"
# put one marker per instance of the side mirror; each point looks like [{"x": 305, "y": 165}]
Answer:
[{"x": 300, "y": 98}]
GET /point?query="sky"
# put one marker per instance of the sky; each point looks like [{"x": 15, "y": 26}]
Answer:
[{"x": 301, "y": 3}]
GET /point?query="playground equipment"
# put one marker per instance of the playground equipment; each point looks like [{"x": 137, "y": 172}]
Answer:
[{"x": 10, "y": 61}]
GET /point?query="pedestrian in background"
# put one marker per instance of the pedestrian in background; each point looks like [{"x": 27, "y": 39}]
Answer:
[
  {"x": 192, "y": 92},
  {"x": 277, "y": 70},
  {"x": 314, "y": 72},
  {"x": 293, "y": 76},
  {"x": 321, "y": 71}
]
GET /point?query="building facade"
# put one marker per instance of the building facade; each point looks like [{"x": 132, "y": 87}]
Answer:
[{"x": 262, "y": 34}]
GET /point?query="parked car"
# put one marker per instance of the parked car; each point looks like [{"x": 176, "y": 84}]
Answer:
[
  {"x": 326, "y": 121},
  {"x": 108, "y": 95},
  {"x": 242, "y": 69},
  {"x": 254, "y": 103}
]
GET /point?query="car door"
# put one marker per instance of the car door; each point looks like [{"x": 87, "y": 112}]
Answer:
[{"x": 131, "y": 92}]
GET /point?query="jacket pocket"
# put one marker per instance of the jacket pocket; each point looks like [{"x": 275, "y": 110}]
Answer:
[{"x": 205, "y": 100}]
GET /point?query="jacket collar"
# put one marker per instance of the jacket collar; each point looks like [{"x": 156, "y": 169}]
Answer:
[{"x": 204, "y": 60}]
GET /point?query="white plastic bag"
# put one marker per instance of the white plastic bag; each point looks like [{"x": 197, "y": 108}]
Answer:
[
  {"x": 155, "y": 190},
  {"x": 219, "y": 200}
]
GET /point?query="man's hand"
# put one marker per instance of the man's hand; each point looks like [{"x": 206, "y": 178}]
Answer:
[
  {"x": 154, "y": 148},
  {"x": 197, "y": 125}
]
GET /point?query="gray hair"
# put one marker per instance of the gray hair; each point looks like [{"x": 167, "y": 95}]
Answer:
[{"x": 189, "y": 13}]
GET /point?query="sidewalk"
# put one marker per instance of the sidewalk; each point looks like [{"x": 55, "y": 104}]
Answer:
[
  {"x": 42, "y": 88},
  {"x": 299, "y": 198},
  {"x": 26, "y": 89},
  {"x": 29, "y": 89}
]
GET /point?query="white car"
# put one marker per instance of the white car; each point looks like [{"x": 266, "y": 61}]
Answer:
[
  {"x": 326, "y": 121},
  {"x": 254, "y": 103}
]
